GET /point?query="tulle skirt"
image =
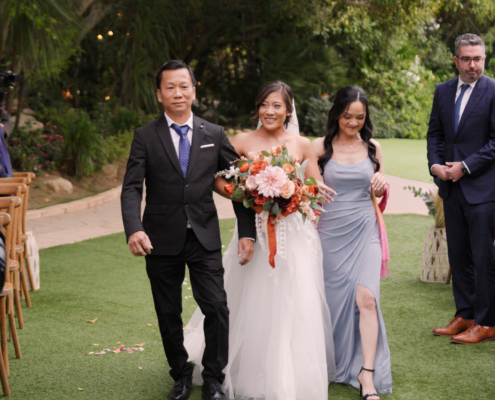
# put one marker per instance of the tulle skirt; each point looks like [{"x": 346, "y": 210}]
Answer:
[{"x": 280, "y": 340}]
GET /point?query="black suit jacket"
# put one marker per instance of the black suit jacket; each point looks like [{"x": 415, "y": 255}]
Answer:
[
  {"x": 171, "y": 199},
  {"x": 474, "y": 142}
]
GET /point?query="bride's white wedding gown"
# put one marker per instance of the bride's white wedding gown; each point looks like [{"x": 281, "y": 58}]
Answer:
[{"x": 280, "y": 340}]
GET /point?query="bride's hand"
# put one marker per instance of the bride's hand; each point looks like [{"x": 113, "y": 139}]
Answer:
[
  {"x": 324, "y": 191},
  {"x": 378, "y": 183}
]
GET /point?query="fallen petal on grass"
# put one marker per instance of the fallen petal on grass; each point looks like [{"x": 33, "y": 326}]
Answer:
[{"x": 92, "y": 321}]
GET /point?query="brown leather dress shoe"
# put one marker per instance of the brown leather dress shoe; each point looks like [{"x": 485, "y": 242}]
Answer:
[
  {"x": 475, "y": 334},
  {"x": 455, "y": 326}
]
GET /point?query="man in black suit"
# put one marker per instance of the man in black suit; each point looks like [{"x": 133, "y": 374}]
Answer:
[
  {"x": 178, "y": 155},
  {"x": 461, "y": 157}
]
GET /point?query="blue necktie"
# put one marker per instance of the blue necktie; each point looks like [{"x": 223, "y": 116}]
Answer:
[
  {"x": 457, "y": 112},
  {"x": 184, "y": 146}
]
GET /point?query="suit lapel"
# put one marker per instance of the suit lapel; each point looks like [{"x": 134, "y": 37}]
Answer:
[
  {"x": 478, "y": 92},
  {"x": 197, "y": 140},
  {"x": 163, "y": 132},
  {"x": 450, "y": 103}
]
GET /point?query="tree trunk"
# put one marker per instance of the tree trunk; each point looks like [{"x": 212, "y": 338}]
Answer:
[
  {"x": 8, "y": 100},
  {"x": 20, "y": 100}
]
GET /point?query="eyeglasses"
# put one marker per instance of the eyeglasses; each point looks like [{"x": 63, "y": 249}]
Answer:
[{"x": 468, "y": 60}]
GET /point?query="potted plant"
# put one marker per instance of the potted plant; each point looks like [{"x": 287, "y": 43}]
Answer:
[{"x": 435, "y": 265}]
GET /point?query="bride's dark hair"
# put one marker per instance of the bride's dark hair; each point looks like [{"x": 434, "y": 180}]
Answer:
[
  {"x": 269, "y": 88},
  {"x": 343, "y": 100}
]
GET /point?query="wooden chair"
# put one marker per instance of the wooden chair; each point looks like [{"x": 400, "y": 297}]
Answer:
[
  {"x": 24, "y": 178},
  {"x": 14, "y": 248},
  {"x": 4, "y": 293},
  {"x": 20, "y": 189},
  {"x": 11, "y": 204}
]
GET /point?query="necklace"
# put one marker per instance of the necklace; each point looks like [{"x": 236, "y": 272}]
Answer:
[
  {"x": 350, "y": 145},
  {"x": 270, "y": 137}
]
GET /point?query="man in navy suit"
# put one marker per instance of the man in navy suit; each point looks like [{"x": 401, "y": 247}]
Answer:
[{"x": 461, "y": 157}]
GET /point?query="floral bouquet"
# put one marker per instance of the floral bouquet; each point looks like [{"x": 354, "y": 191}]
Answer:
[{"x": 273, "y": 183}]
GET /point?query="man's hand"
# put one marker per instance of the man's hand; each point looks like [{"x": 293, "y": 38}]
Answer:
[
  {"x": 455, "y": 171},
  {"x": 246, "y": 250},
  {"x": 2, "y": 126},
  {"x": 139, "y": 244},
  {"x": 441, "y": 172}
]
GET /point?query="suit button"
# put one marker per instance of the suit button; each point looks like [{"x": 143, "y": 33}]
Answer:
[
  {"x": 187, "y": 185},
  {"x": 186, "y": 205}
]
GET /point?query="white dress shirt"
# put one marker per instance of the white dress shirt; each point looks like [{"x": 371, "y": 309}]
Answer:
[
  {"x": 175, "y": 136},
  {"x": 465, "y": 99},
  {"x": 467, "y": 94}
]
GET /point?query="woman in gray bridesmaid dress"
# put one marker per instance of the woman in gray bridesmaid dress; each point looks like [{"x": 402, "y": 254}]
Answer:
[{"x": 352, "y": 165}]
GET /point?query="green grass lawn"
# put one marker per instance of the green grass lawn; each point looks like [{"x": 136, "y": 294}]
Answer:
[
  {"x": 99, "y": 278},
  {"x": 406, "y": 158}
]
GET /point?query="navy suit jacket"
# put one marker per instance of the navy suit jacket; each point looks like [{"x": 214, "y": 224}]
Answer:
[{"x": 474, "y": 142}]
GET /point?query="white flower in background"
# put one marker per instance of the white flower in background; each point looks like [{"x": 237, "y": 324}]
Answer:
[{"x": 233, "y": 171}]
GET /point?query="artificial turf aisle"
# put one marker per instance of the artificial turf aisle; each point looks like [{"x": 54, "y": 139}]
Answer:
[{"x": 100, "y": 279}]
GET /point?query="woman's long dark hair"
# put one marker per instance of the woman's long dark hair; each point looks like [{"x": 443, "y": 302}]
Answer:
[{"x": 343, "y": 100}]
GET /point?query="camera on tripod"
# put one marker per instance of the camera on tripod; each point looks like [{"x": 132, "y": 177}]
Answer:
[{"x": 8, "y": 79}]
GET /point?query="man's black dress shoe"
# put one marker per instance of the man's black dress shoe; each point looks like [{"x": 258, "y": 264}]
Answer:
[
  {"x": 181, "y": 389},
  {"x": 213, "y": 391}
]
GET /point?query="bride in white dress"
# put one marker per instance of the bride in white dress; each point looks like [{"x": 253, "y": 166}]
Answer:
[{"x": 280, "y": 341}]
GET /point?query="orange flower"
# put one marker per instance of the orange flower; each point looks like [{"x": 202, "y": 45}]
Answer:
[
  {"x": 288, "y": 168},
  {"x": 303, "y": 189},
  {"x": 313, "y": 189},
  {"x": 260, "y": 200},
  {"x": 294, "y": 159},
  {"x": 291, "y": 208},
  {"x": 244, "y": 167},
  {"x": 257, "y": 167},
  {"x": 229, "y": 189},
  {"x": 276, "y": 151}
]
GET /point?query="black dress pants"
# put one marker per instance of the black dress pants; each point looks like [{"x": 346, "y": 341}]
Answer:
[
  {"x": 166, "y": 274},
  {"x": 470, "y": 238}
]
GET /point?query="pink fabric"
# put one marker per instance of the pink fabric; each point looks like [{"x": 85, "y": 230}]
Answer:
[
  {"x": 385, "y": 269},
  {"x": 383, "y": 201}
]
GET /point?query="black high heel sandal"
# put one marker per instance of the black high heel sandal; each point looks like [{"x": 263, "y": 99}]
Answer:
[{"x": 365, "y": 397}]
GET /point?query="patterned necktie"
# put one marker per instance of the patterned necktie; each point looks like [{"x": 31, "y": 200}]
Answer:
[
  {"x": 184, "y": 146},
  {"x": 457, "y": 112}
]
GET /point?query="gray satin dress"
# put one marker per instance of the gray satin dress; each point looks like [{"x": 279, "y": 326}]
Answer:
[{"x": 352, "y": 256}]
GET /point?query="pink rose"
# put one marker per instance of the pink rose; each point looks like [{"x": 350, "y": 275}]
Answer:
[
  {"x": 253, "y": 155},
  {"x": 251, "y": 182},
  {"x": 288, "y": 168},
  {"x": 288, "y": 189}
]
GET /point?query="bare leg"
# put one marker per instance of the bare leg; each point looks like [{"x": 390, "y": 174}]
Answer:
[{"x": 368, "y": 327}]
